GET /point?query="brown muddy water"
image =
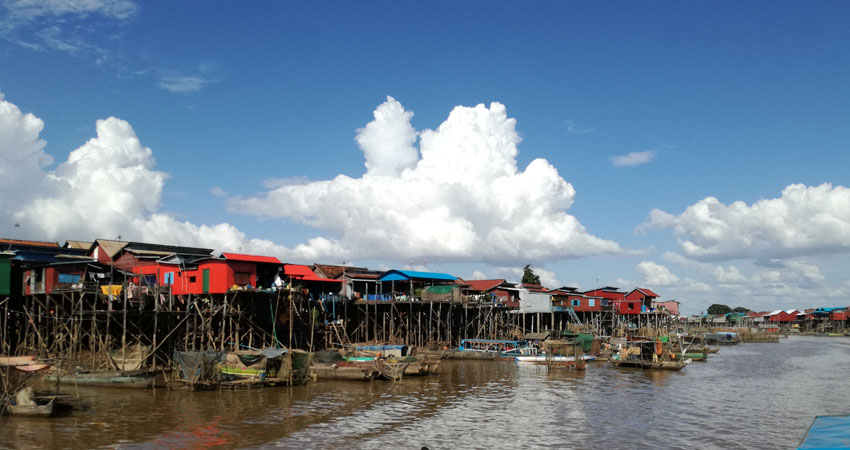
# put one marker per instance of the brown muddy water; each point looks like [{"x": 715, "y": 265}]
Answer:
[{"x": 746, "y": 396}]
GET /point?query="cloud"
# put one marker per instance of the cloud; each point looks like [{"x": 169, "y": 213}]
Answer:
[
  {"x": 633, "y": 159},
  {"x": 460, "y": 197},
  {"x": 805, "y": 220},
  {"x": 218, "y": 192},
  {"x": 182, "y": 85},
  {"x": 107, "y": 187},
  {"x": 28, "y": 10},
  {"x": 574, "y": 127},
  {"x": 656, "y": 275}
]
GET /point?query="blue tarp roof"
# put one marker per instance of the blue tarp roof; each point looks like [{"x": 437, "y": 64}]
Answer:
[
  {"x": 827, "y": 432},
  {"x": 404, "y": 275}
]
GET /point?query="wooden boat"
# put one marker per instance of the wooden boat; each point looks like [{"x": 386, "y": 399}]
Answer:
[
  {"x": 391, "y": 369},
  {"x": 22, "y": 363},
  {"x": 554, "y": 359},
  {"x": 488, "y": 349},
  {"x": 24, "y": 403},
  {"x": 421, "y": 366},
  {"x": 648, "y": 354},
  {"x": 694, "y": 356},
  {"x": 644, "y": 364},
  {"x": 359, "y": 371},
  {"x": 722, "y": 338},
  {"x": 331, "y": 365},
  {"x": 136, "y": 380},
  {"x": 43, "y": 410}
]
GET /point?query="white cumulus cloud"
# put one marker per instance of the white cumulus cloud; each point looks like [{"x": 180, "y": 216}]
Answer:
[
  {"x": 107, "y": 187},
  {"x": 460, "y": 197},
  {"x": 656, "y": 274},
  {"x": 805, "y": 220}
]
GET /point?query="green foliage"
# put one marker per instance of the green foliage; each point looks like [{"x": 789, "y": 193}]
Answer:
[
  {"x": 741, "y": 309},
  {"x": 716, "y": 309},
  {"x": 528, "y": 276}
]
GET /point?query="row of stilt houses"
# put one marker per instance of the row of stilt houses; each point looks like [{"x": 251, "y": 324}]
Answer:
[{"x": 85, "y": 301}]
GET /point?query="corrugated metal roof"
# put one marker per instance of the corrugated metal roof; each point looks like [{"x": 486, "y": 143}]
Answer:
[
  {"x": 303, "y": 272},
  {"x": 78, "y": 244},
  {"x": 647, "y": 292},
  {"x": 251, "y": 258},
  {"x": 111, "y": 248},
  {"x": 404, "y": 275},
  {"x": 483, "y": 285},
  {"x": 30, "y": 243}
]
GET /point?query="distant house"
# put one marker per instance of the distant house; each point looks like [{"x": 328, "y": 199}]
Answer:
[
  {"x": 534, "y": 301},
  {"x": 496, "y": 290},
  {"x": 671, "y": 306},
  {"x": 360, "y": 282},
  {"x": 316, "y": 286},
  {"x": 36, "y": 267},
  {"x": 645, "y": 296},
  {"x": 570, "y": 297},
  {"x": 780, "y": 316},
  {"x": 612, "y": 296}
]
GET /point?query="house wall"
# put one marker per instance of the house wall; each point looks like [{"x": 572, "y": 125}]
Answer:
[{"x": 534, "y": 302}]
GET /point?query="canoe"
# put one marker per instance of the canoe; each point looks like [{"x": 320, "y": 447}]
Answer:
[
  {"x": 137, "y": 380},
  {"x": 44, "y": 410}
]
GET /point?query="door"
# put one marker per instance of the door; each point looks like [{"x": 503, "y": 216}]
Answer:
[{"x": 206, "y": 281}]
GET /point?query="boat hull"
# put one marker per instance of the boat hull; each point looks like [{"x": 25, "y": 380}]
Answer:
[{"x": 141, "y": 380}]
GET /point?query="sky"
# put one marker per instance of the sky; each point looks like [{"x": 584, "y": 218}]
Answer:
[{"x": 699, "y": 149}]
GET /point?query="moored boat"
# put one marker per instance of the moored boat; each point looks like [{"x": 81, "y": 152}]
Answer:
[{"x": 136, "y": 379}]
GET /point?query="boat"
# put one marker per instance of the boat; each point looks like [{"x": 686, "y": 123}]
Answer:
[
  {"x": 648, "y": 354},
  {"x": 827, "y": 432},
  {"x": 25, "y": 404},
  {"x": 693, "y": 356},
  {"x": 658, "y": 365},
  {"x": 722, "y": 338},
  {"x": 331, "y": 365},
  {"x": 22, "y": 363},
  {"x": 493, "y": 349},
  {"x": 391, "y": 368},
  {"x": 555, "y": 358},
  {"x": 421, "y": 366},
  {"x": 135, "y": 379}
]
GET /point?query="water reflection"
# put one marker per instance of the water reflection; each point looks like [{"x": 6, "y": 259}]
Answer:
[{"x": 749, "y": 396}]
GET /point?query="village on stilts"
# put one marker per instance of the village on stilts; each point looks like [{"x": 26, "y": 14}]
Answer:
[{"x": 141, "y": 315}]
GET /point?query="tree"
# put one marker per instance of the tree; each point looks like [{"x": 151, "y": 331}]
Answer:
[
  {"x": 741, "y": 309},
  {"x": 716, "y": 309},
  {"x": 528, "y": 276}
]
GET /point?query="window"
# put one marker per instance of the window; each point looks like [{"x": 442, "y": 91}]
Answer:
[
  {"x": 193, "y": 279},
  {"x": 631, "y": 306},
  {"x": 591, "y": 302},
  {"x": 576, "y": 302},
  {"x": 168, "y": 278}
]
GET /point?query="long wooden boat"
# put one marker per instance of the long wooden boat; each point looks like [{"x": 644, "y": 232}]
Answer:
[
  {"x": 644, "y": 364},
  {"x": 554, "y": 359},
  {"x": 137, "y": 380},
  {"x": 360, "y": 371}
]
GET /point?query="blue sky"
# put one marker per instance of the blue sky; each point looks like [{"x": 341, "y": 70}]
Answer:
[{"x": 252, "y": 113}]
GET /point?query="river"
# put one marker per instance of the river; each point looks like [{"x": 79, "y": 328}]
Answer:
[{"x": 745, "y": 396}]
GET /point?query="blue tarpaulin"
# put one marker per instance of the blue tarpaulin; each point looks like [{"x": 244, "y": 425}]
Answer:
[{"x": 827, "y": 432}]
